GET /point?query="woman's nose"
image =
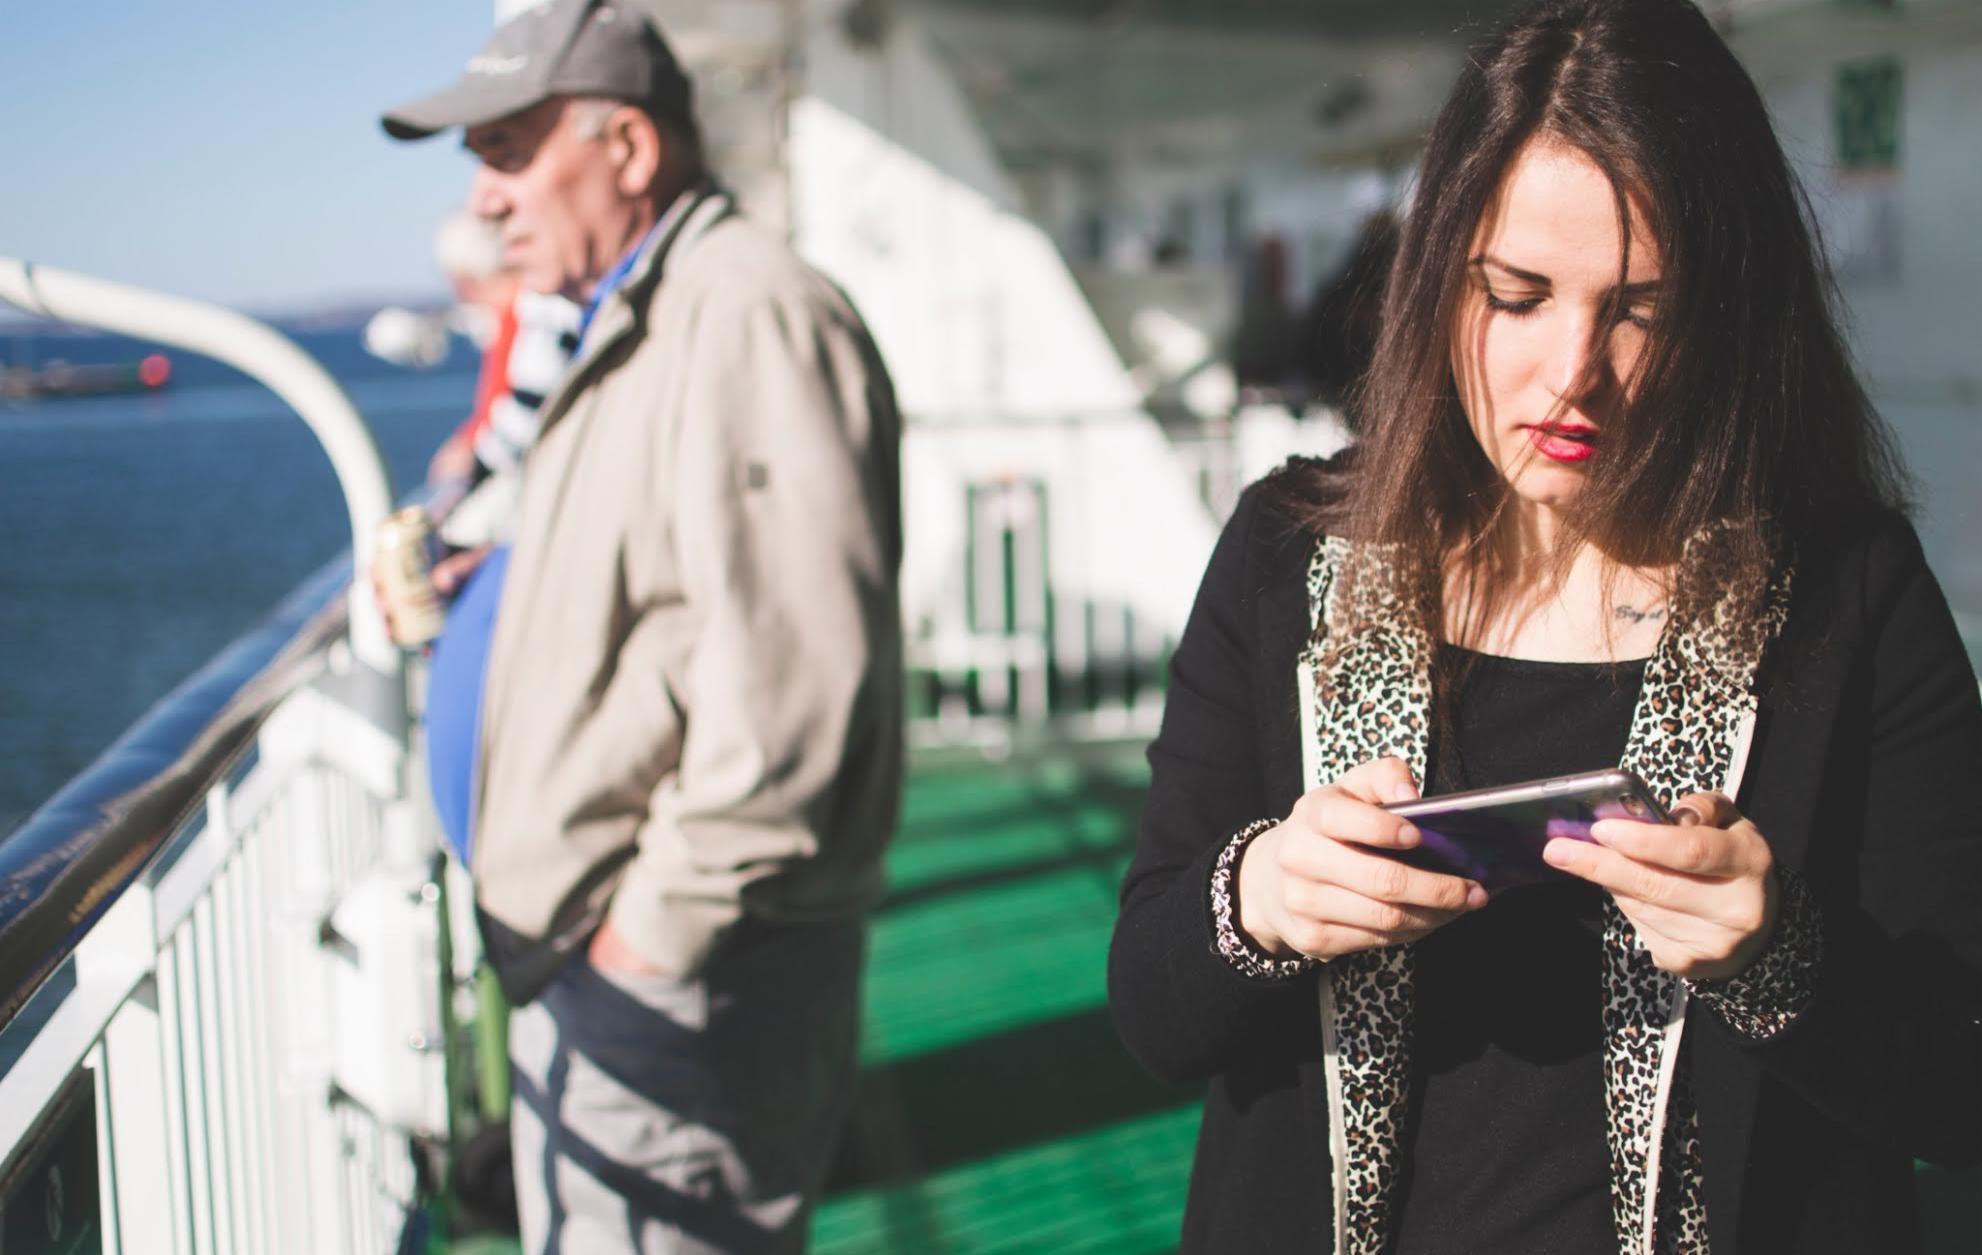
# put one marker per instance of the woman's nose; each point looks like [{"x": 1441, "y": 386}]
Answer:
[{"x": 1579, "y": 362}]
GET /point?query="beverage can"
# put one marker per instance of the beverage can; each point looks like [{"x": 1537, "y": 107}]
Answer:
[{"x": 403, "y": 560}]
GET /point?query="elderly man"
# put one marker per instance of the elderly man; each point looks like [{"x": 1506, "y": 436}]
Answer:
[{"x": 690, "y": 746}]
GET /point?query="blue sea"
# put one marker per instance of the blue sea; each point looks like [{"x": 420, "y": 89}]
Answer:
[{"x": 140, "y": 534}]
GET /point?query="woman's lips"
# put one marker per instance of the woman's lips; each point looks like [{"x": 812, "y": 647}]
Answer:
[{"x": 1564, "y": 444}]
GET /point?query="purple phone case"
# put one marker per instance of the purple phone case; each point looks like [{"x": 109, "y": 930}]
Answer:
[{"x": 1495, "y": 836}]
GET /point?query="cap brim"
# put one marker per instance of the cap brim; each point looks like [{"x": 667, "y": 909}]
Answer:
[{"x": 469, "y": 102}]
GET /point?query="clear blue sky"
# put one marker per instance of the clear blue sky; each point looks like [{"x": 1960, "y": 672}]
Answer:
[{"x": 230, "y": 149}]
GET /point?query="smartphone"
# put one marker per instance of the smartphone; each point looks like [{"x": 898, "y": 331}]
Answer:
[{"x": 1495, "y": 836}]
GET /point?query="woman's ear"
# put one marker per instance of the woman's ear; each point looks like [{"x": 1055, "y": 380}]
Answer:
[{"x": 634, "y": 144}]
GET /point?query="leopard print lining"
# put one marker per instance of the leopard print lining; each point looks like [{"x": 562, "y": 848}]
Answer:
[
  {"x": 1371, "y": 694},
  {"x": 1369, "y": 995},
  {"x": 1692, "y": 714},
  {"x": 1238, "y": 949},
  {"x": 1766, "y": 998}
]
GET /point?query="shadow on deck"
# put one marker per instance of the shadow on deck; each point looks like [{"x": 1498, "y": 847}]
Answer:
[{"x": 997, "y": 1113}]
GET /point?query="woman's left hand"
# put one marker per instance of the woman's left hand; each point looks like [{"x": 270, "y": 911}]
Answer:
[{"x": 1701, "y": 891}]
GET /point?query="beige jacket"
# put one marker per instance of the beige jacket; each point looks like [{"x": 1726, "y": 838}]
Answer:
[{"x": 693, "y": 709}]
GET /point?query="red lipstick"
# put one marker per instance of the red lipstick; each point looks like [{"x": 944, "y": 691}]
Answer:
[{"x": 1564, "y": 442}]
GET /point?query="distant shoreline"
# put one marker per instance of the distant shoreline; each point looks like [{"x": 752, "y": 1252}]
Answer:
[{"x": 338, "y": 315}]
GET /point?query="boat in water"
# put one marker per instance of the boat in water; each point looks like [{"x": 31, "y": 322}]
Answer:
[{"x": 59, "y": 378}]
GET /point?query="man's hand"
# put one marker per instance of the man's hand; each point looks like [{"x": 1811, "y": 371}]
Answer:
[
  {"x": 448, "y": 575},
  {"x": 1701, "y": 891},
  {"x": 451, "y": 572},
  {"x": 1312, "y": 885},
  {"x": 610, "y": 953}
]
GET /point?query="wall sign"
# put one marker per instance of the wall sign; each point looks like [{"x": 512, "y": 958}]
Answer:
[{"x": 1868, "y": 115}]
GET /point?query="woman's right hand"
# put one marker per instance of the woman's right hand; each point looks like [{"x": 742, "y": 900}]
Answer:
[{"x": 1311, "y": 885}]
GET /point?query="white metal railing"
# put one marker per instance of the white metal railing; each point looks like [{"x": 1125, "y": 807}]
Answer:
[
  {"x": 1012, "y": 649},
  {"x": 1043, "y": 617},
  {"x": 993, "y": 690},
  {"x": 220, "y": 948},
  {"x": 256, "y": 1015}
]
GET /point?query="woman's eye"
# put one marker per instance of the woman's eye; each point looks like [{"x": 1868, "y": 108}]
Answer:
[
  {"x": 1639, "y": 317},
  {"x": 1518, "y": 308}
]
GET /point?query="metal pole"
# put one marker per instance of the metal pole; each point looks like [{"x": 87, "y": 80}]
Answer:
[
  {"x": 265, "y": 355},
  {"x": 791, "y": 43}
]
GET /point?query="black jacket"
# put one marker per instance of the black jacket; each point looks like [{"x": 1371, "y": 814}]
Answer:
[{"x": 1865, "y": 777}]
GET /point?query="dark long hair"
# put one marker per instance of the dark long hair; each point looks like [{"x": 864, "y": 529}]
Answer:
[{"x": 1745, "y": 414}]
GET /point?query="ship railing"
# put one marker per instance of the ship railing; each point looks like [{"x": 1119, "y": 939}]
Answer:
[
  {"x": 221, "y": 1020},
  {"x": 1005, "y": 692},
  {"x": 1029, "y": 622},
  {"x": 1034, "y": 616}
]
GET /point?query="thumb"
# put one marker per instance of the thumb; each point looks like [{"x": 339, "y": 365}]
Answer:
[
  {"x": 1379, "y": 781},
  {"x": 1714, "y": 810}
]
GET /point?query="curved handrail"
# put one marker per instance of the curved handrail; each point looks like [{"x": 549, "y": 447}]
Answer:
[
  {"x": 75, "y": 854},
  {"x": 264, "y": 354}
]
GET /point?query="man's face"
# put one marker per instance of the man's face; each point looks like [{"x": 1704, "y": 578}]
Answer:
[{"x": 550, "y": 186}]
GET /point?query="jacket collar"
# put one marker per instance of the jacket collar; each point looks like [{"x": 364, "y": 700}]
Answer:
[
  {"x": 622, "y": 312},
  {"x": 680, "y": 228}
]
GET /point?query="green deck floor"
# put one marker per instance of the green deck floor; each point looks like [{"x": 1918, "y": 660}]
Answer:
[{"x": 997, "y": 1112}]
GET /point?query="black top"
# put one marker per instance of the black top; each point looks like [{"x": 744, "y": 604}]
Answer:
[
  {"x": 1865, "y": 753},
  {"x": 1506, "y": 1149}
]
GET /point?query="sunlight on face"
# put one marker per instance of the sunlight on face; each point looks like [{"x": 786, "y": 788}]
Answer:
[
  {"x": 1545, "y": 345},
  {"x": 549, "y": 186}
]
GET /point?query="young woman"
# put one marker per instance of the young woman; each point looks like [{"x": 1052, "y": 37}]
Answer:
[{"x": 1619, "y": 501}]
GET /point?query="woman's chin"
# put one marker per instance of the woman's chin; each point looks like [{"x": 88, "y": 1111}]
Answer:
[{"x": 1547, "y": 487}]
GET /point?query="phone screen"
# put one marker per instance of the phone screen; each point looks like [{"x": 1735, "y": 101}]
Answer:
[{"x": 1495, "y": 836}]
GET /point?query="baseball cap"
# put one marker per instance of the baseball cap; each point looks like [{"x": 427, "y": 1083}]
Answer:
[{"x": 556, "y": 48}]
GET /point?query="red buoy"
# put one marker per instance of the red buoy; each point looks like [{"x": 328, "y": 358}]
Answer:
[{"x": 155, "y": 370}]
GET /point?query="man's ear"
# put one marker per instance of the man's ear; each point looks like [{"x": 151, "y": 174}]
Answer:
[{"x": 634, "y": 144}]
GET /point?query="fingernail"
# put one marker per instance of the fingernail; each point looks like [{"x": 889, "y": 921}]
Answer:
[
  {"x": 1476, "y": 896},
  {"x": 1407, "y": 834},
  {"x": 1557, "y": 852},
  {"x": 1401, "y": 791},
  {"x": 1687, "y": 815},
  {"x": 1600, "y": 832}
]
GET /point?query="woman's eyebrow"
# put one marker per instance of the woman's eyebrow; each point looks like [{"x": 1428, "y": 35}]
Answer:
[
  {"x": 1513, "y": 272},
  {"x": 1630, "y": 291}
]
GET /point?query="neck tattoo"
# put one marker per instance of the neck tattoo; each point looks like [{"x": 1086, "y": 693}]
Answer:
[{"x": 1633, "y": 615}]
